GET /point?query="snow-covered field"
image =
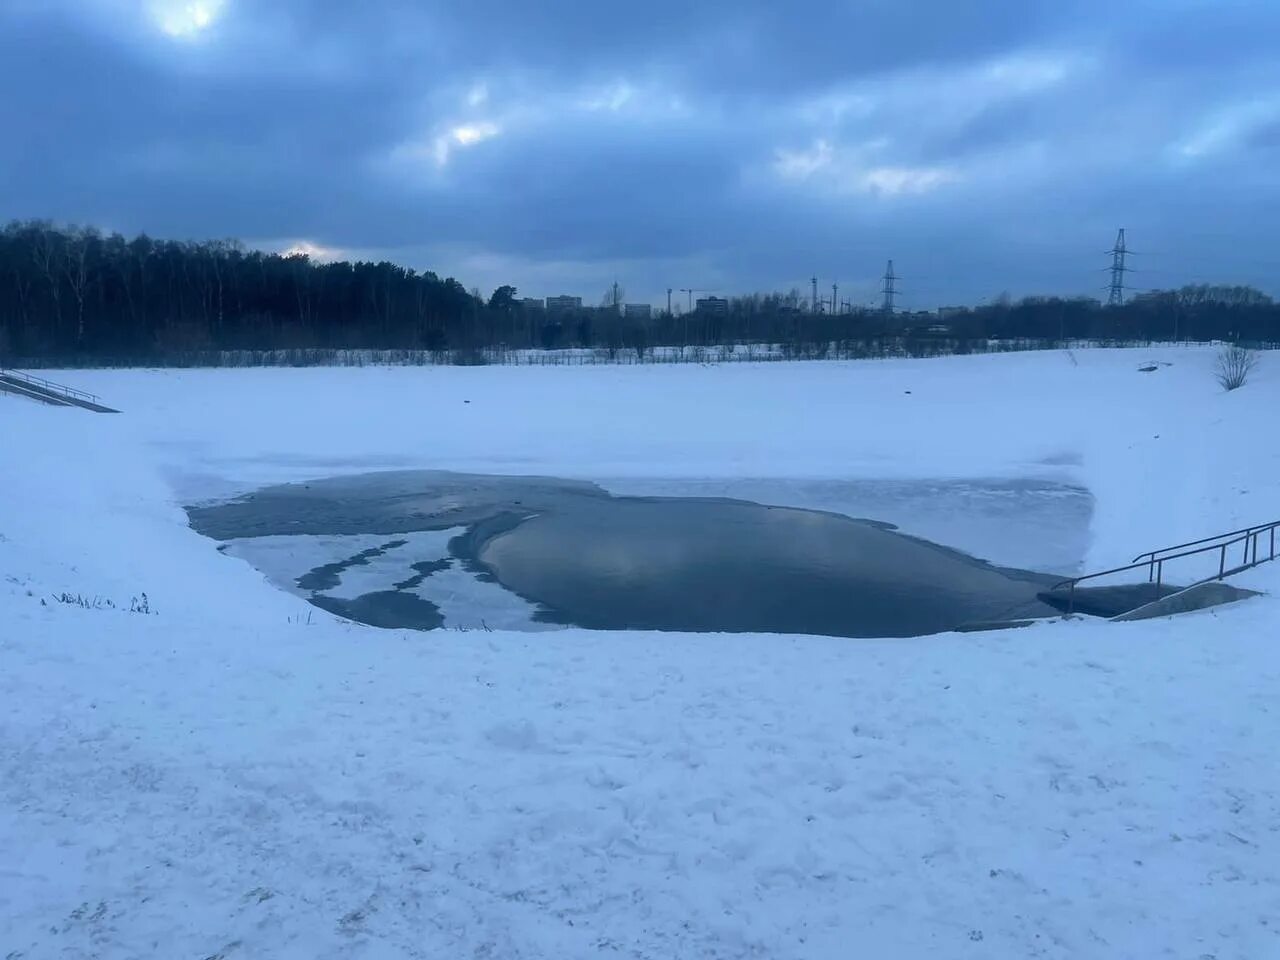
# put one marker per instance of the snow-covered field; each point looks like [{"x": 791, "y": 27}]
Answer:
[{"x": 236, "y": 774}]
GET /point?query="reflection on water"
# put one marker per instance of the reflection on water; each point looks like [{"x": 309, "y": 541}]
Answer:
[
  {"x": 1028, "y": 522},
  {"x": 715, "y": 565},
  {"x": 583, "y": 557}
]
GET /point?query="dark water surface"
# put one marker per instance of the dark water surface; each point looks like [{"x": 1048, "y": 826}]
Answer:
[{"x": 589, "y": 559}]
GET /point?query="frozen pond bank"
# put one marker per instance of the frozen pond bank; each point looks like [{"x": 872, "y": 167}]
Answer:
[{"x": 426, "y": 548}]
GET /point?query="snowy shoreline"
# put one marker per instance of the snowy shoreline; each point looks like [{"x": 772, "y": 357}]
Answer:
[{"x": 226, "y": 776}]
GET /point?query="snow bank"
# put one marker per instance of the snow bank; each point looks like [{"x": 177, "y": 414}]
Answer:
[
  {"x": 1168, "y": 455},
  {"x": 224, "y": 779},
  {"x": 85, "y": 512}
]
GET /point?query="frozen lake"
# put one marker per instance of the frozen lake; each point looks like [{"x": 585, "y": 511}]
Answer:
[{"x": 427, "y": 549}]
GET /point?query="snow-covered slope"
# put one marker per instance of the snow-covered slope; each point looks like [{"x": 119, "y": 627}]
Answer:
[{"x": 238, "y": 775}]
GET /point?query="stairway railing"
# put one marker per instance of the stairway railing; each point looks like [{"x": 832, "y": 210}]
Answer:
[
  {"x": 50, "y": 386},
  {"x": 1249, "y": 533},
  {"x": 1154, "y": 560}
]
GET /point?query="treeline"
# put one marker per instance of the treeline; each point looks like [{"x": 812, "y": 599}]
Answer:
[
  {"x": 74, "y": 293},
  {"x": 71, "y": 291},
  {"x": 1192, "y": 313}
]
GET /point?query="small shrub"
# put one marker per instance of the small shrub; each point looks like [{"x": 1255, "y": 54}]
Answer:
[
  {"x": 79, "y": 600},
  {"x": 1235, "y": 363},
  {"x": 140, "y": 604}
]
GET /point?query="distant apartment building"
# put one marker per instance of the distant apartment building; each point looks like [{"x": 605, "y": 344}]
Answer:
[
  {"x": 945, "y": 313},
  {"x": 532, "y": 303},
  {"x": 638, "y": 311},
  {"x": 718, "y": 306},
  {"x": 563, "y": 304}
]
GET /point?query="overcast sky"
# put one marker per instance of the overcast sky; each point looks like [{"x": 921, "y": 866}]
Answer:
[{"x": 736, "y": 145}]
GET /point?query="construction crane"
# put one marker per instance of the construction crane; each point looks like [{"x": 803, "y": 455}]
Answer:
[{"x": 691, "y": 291}]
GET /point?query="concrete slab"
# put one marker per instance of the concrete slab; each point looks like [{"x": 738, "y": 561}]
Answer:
[{"x": 1198, "y": 597}]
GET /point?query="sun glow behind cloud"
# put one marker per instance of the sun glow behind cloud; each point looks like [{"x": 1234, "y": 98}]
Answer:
[
  {"x": 439, "y": 150},
  {"x": 305, "y": 248},
  {"x": 186, "y": 19},
  {"x": 463, "y": 135}
]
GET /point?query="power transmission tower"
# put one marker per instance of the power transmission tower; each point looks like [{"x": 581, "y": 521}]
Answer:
[
  {"x": 834, "y": 290},
  {"x": 813, "y": 308},
  {"x": 1119, "y": 267},
  {"x": 668, "y": 301},
  {"x": 890, "y": 288}
]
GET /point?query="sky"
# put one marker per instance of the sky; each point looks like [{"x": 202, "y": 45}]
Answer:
[{"x": 987, "y": 147}]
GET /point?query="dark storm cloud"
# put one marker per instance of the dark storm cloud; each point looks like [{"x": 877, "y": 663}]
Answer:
[
  {"x": 756, "y": 43},
  {"x": 990, "y": 146}
]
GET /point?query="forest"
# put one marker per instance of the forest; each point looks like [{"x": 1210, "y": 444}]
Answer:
[{"x": 78, "y": 295}]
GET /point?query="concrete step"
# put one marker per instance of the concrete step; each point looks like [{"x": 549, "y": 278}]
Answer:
[{"x": 1199, "y": 596}]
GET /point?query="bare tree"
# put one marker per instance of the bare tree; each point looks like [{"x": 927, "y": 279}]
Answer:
[
  {"x": 613, "y": 297},
  {"x": 1235, "y": 363},
  {"x": 45, "y": 253},
  {"x": 22, "y": 285},
  {"x": 75, "y": 268},
  {"x": 218, "y": 251}
]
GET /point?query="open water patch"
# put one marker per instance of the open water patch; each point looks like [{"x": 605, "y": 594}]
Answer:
[{"x": 426, "y": 549}]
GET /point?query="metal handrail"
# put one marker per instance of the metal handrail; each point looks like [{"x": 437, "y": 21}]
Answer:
[
  {"x": 1155, "y": 563},
  {"x": 50, "y": 385},
  {"x": 20, "y": 389},
  {"x": 1260, "y": 528}
]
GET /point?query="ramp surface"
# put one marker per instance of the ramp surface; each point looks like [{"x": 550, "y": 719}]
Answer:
[{"x": 46, "y": 391}]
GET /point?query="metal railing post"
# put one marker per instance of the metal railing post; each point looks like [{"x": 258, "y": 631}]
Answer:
[{"x": 1222, "y": 563}]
